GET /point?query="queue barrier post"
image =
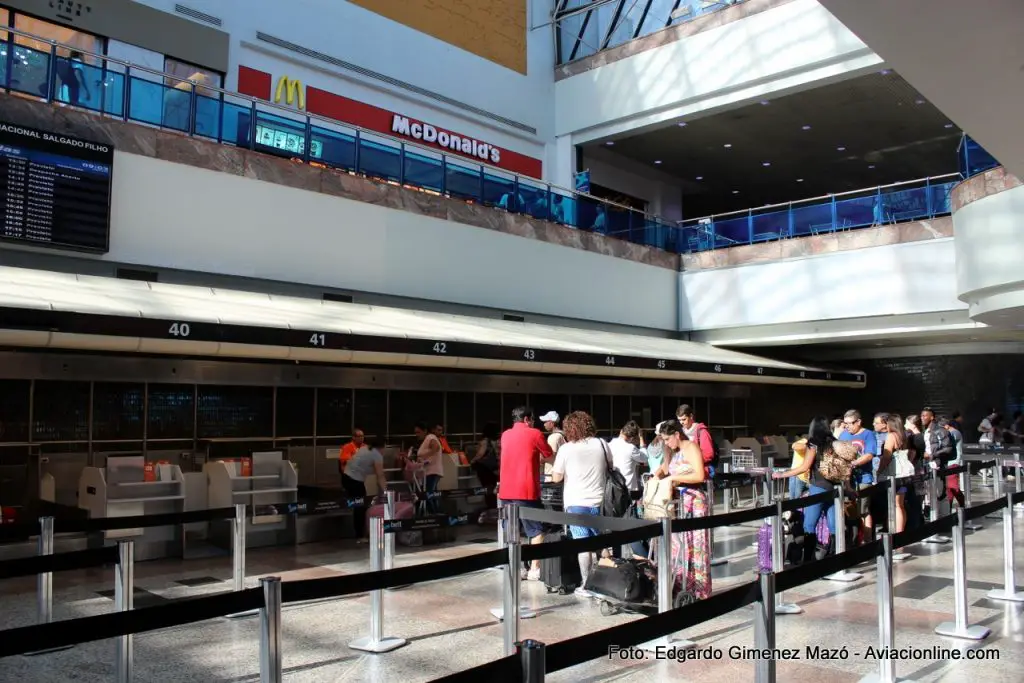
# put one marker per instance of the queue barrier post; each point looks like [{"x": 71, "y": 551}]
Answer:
[
  {"x": 781, "y": 606},
  {"x": 764, "y": 629},
  {"x": 390, "y": 510},
  {"x": 376, "y": 642},
  {"x": 965, "y": 487},
  {"x": 1009, "y": 592},
  {"x": 666, "y": 582},
  {"x": 44, "y": 582},
  {"x": 503, "y": 541},
  {"x": 271, "y": 670},
  {"x": 891, "y": 497},
  {"x": 238, "y": 557},
  {"x": 238, "y": 547},
  {"x": 124, "y": 600},
  {"x": 886, "y": 618},
  {"x": 933, "y": 498},
  {"x": 839, "y": 506},
  {"x": 960, "y": 628},
  {"x": 715, "y": 561},
  {"x": 532, "y": 654},
  {"x": 510, "y": 596},
  {"x": 728, "y": 491},
  {"x": 997, "y": 485}
]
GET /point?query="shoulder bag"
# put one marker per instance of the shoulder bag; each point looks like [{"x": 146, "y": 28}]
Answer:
[{"x": 836, "y": 463}]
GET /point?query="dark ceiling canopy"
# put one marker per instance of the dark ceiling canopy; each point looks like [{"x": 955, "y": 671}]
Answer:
[{"x": 865, "y": 131}]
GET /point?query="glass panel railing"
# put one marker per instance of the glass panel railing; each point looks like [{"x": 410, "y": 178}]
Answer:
[
  {"x": 136, "y": 94},
  {"x": 973, "y": 158},
  {"x": 423, "y": 169}
]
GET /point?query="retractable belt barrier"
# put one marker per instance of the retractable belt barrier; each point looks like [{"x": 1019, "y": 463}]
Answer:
[
  {"x": 61, "y": 562},
  {"x": 528, "y": 660}
]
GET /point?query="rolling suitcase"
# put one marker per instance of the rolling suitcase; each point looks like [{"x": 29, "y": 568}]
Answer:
[
  {"x": 560, "y": 574},
  {"x": 621, "y": 580},
  {"x": 764, "y": 548}
]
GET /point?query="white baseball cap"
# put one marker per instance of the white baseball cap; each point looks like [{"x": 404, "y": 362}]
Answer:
[{"x": 550, "y": 416}]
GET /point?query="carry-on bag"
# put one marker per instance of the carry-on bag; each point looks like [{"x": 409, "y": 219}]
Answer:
[
  {"x": 764, "y": 548},
  {"x": 560, "y": 574},
  {"x": 619, "y": 579}
]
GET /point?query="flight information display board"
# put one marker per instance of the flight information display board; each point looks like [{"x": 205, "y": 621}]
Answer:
[{"x": 55, "y": 189}]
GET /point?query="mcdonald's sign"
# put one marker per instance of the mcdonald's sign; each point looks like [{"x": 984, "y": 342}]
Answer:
[{"x": 293, "y": 90}]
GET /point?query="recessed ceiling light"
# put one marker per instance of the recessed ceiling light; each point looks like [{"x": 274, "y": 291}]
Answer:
[
  {"x": 658, "y": 161},
  {"x": 805, "y": 127},
  {"x": 918, "y": 101},
  {"x": 700, "y": 177},
  {"x": 799, "y": 180},
  {"x": 871, "y": 166},
  {"x": 735, "y": 191},
  {"x": 948, "y": 125},
  {"x": 840, "y": 149},
  {"x": 727, "y": 145},
  {"x": 765, "y": 103},
  {"x": 766, "y": 163},
  {"x": 610, "y": 143},
  {"x": 885, "y": 72},
  {"x": 682, "y": 124}
]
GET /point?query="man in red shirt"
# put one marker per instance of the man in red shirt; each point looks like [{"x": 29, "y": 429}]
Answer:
[{"x": 523, "y": 447}]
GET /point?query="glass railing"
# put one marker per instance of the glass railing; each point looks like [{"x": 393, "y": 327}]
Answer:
[
  {"x": 898, "y": 203},
  {"x": 973, "y": 158},
  {"x": 141, "y": 95},
  {"x": 585, "y": 27}
]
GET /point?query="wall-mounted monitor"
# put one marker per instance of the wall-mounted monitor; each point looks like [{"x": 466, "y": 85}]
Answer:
[{"x": 54, "y": 189}]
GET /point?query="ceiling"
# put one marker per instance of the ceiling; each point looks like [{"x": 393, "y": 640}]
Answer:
[
  {"x": 967, "y": 57},
  {"x": 888, "y": 132}
]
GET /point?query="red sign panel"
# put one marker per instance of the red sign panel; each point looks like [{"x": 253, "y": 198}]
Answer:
[{"x": 329, "y": 105}]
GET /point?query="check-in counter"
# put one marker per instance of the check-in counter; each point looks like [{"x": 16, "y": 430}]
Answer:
[
  {"x": 125, "y": 487},
  {"x": 267, "y": 485}
]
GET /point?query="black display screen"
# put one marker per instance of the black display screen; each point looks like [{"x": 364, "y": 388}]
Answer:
[{"x": 55, "y": 189}]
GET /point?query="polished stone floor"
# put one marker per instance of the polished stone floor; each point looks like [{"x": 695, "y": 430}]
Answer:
[{"x": 449, "y": 628}]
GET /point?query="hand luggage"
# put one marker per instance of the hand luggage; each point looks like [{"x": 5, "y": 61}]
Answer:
[
  {"x": 657, "y": 498},
  {"x": 622, "y": 580},
  {"x": 821, "y": 531},
  {"x": 560, "y": 574},
  {"x": 764, "y": 548},
  {"x": 404, "y": 509}
]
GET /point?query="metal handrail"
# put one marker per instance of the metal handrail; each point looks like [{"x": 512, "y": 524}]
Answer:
[
  {"x": 875, "y": 188},
  {"x": 130, "y": 66}
]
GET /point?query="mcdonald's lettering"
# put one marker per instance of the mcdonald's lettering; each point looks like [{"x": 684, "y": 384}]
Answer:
[
  {"x": 402, "y": 125},
  {"x": 293, "y": 91}
]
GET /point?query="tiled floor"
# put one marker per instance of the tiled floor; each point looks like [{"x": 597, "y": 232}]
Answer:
[{"x": 449, "y": 628}]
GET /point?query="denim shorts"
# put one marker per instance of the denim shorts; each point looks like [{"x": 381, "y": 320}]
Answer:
[
  {"x": 582, "y": 531},
  {"x": 531, "y": 528}
]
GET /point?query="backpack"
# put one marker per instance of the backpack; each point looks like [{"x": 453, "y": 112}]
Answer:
[
  {"x": 946, "y": 447},
  {"x": 617, "y": 498},
  {"x": 715, "y": 454}
]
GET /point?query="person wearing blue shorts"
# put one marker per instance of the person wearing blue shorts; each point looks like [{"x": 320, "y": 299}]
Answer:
[{"x": 582, "y": 464}]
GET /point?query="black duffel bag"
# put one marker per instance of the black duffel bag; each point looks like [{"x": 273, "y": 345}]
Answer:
[{"x": 622, "y": 580}]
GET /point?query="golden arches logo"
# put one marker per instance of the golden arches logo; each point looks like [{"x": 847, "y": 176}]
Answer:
[{"x": 293, "y": 91}]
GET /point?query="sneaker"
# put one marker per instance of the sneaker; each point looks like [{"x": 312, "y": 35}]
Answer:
[
  {"x": 582, "y": 592},
  {"x": 533, "y": 575},
  {"x": 524, "y": 573}
]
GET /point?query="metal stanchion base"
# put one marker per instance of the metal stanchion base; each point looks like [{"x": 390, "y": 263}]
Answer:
[
  {"x": 368, "y": 644},
  {"x": 788, "y": 608},
  {"x": 844, "y": 577},
  {"x": 243, "y": 615},
  {"x": 937, "y": 540},
  {"x": 899, "y": 557},
  {"x": 47, "y": 651},
  {"x": 875, "y": 678},
  {"x": 668, "y": 642},
  {"x": 524, "y": 613},
  {"x": 995, "y": 515},
  {"x": 1000, "y": 594},
  {"x": 948, "y": 628},
  {"x": 718, "y": 562},
  {"x": 971, "y": 526}
]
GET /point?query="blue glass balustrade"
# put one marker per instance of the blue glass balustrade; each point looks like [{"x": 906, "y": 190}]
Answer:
[
  {"x": 135, "y": 94},
  {"x": 973, "y": 158}
]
